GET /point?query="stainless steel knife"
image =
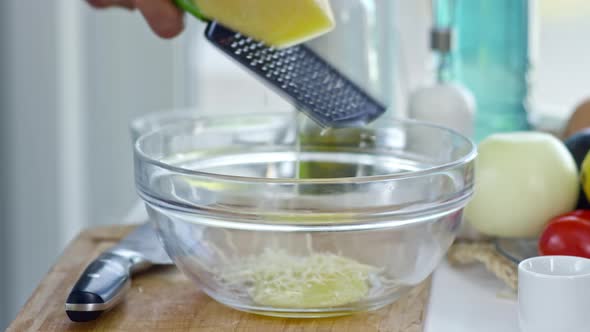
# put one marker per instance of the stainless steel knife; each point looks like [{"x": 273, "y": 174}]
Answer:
[{"x": 104, "y": 282}]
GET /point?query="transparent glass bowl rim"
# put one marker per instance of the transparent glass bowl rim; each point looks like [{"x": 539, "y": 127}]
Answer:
[{"x": 396, "y": 122}]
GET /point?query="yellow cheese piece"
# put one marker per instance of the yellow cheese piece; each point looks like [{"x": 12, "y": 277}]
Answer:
[{"x": 279, "y": 23}]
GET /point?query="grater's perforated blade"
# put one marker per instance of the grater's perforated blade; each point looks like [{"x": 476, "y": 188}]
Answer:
[{"x": 304, "y": 78}]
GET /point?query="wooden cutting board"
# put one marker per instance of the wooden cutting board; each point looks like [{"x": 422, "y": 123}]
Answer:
[{"x": 164, "y": 300}]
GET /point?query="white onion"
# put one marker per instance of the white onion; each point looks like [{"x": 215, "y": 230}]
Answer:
[{"x": 523, "y": 179}]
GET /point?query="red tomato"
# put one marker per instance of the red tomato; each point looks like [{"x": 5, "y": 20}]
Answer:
[
  {"x": 566, "y": 235},
  {"x": 584, "y": 214}
]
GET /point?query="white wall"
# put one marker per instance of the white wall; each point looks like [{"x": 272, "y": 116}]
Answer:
[
  {"x": 70, "y": 80},
  {"x": 129, "y": 71},
  {"x": 560, "y": 79},
  {"x": 29, "y": 161},
  {"x": 3, "y": 168}
]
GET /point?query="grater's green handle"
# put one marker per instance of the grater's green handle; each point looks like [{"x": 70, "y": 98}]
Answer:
[{"x": 190, "y": 6}]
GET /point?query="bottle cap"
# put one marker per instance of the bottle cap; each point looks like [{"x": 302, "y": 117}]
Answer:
[{"x": 441, "y": 39}]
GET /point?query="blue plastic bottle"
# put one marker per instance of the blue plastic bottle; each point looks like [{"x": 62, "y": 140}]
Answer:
[{"x": 492, "y": 59}]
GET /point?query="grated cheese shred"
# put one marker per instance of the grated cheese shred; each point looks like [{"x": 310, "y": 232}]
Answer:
[{"x": 278, "y": 279}]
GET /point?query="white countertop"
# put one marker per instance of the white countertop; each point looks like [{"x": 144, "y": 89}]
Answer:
[
  {"x": 465, "y": 299},
  {"x": 470, "y": 299}
]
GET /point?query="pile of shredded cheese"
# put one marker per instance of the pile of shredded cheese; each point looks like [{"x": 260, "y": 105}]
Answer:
[{"x": 275, "y": 278}]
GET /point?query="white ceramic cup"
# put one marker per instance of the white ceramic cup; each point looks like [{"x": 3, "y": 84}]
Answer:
[{"x": 554, "y": 294}]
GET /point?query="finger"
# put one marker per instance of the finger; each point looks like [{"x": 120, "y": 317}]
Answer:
[
  {"x": 110, "y": 3},
  {"x": 163, "y": 17}
]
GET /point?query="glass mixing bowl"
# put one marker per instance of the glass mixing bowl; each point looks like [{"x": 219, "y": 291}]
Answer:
[{"x": 344, "y": 221}]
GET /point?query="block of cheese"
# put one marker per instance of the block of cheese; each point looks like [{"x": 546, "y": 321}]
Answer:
[{"x": 279, "y": 23}]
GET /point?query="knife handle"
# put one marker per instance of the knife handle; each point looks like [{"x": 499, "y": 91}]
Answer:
[{"x": 100, "y": 287}]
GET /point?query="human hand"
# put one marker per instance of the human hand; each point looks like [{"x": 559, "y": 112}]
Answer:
[{"x": 165, "y": 19}]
